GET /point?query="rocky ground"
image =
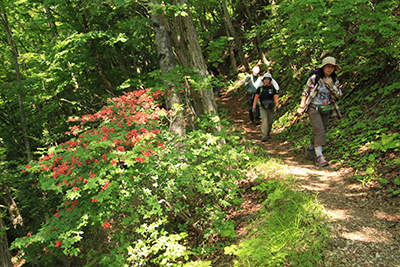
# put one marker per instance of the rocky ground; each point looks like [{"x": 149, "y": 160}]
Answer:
[{"x": 365, "y": 222}]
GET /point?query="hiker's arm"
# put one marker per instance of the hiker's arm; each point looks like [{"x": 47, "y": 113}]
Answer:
[
  {"x": 336, "y": 91},
  {"x": 302, "y": 107},
  {"x": 255, "y": 101},
  {"x": 245, "y": 81}
]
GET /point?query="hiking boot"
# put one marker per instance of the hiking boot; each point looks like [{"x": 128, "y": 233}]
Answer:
[
  {"x": 321, "y": 161},
  {"x": 311, "y": 154},
  {"x": 265, "y": 138}
]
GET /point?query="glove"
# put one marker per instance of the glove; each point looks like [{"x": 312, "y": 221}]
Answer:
[
  {"x": 253, "y": 110},
  {"x": 276, "y": 108}
]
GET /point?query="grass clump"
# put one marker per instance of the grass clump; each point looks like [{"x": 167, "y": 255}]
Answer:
[{"x": 288, "y": 231}]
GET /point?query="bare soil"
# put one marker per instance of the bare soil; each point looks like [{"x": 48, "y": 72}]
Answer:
[{"x": 363, "y": 219}]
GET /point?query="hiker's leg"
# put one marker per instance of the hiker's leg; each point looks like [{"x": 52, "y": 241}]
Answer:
[
  {"x": 250, "y": 100},
  {"x": 318, "y": 127},
  {"x": 270, "y": 116},
  {"x": 257, "y": 115},
  {"x": 264, "y": 122}
]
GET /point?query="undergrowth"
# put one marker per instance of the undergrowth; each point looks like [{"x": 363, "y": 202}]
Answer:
[{"x": 288, "y": 231}]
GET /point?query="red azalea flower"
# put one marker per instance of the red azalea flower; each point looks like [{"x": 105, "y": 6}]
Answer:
[
  {"x": 106, "y": 225},
  {"x": 58, "y": 243}
]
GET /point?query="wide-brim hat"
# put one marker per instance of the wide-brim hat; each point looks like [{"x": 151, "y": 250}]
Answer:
[
  {"x": 330, "y": 60},
  {"x": 266, "y": 75}
]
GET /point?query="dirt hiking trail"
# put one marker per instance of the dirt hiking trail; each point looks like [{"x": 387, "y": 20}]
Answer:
[{"x": 365, "y": 222}]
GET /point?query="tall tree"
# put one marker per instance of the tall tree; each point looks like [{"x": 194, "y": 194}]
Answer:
[
  {"x": 5, "y": 255},
  {"x": 167, "y": 63},
  {"x": 186, "y": 43},
  {"x": 238, "y": 44},
  {"x": 15, "y": 53}
]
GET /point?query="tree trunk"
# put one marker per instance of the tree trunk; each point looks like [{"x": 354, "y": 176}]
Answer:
[
  {"x": 167, "y": 63},
  {"x": 5, "y": 255},
  {"x": 231, "y": 52},
  {"x": 6, "y": 25},
  {"x": 189, "y": 53},
  {"x": 238, "y": 44},
  {"x": 257, "y": 44},
  {"x": 96, "y": 54},
  {"x": 121, "y": 61},
  {"x": 13, "y": 210}
]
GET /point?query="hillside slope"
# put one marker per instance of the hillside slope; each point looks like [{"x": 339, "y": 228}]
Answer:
[{"x": 365, "y": 221}]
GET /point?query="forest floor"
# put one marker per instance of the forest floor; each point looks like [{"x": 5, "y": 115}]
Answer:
[{"x": 365, "y": 222}]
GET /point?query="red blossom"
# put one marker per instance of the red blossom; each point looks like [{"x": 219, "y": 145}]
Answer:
[
  {"x": 139, "y": 159},
  {"x": 106, "y": 225},
  {"x": 58, "y": 243},
  {"x": 120, "y": 149},
  {"x": 105, "y": 185},
  {"x": 113, "y": 162}
]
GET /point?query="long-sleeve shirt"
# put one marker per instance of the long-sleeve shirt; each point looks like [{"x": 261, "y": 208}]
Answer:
[
  {"x": 254, "y": 83},
  {"x": 311, "y": 90}
]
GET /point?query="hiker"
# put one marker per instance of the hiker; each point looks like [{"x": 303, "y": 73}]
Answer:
[
  {"x": 318, "y": 100},
  {"x": 266, "y": 96},
  {"x": 252, "y": 82},
  {"x": 215, "y": 72}
]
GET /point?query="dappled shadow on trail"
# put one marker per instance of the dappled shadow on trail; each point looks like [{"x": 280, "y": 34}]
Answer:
[{"x": 365, "y": 221}]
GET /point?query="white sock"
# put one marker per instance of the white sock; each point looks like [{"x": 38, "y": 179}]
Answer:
[{"x": 318, "y": 151}]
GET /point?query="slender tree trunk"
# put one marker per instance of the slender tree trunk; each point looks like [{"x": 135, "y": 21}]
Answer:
[
  {"x": 121, "y": 61},
  {"x": 6, "y": 25},
  {"x": 167, "y": 63},
  {"x": 257, "y": 44},
  {"x": 13, "y": 210},
  {"x": 96, "y": 54},
  {"x": 5, "y": 255},
  {"x": 231, "y": 52},
  {"x": 238, "y": 44}
]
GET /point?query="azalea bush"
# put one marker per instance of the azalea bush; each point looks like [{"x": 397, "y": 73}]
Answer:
[{"x": 124, "y": 191}]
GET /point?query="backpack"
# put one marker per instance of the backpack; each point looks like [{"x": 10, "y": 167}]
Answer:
[{"x": 311, "y": 74}]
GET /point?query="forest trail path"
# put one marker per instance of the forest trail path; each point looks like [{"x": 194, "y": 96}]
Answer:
[{"x": 365, "y": 222}]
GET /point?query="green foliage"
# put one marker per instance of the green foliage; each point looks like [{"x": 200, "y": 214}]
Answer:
[
  {"x": 289, "y": 230},
  {"x": 361, "y": 35},
  {"x": 123, "y": 179},
  {"x": 216, "y": 48}
]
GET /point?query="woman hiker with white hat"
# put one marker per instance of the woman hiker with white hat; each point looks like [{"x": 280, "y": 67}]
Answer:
[
  {"x": 318, "y": 100},
  {"x": 251, "y": 83}
]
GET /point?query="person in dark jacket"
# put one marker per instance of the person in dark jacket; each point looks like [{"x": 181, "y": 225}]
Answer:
[{"x": 267, "y": 98}]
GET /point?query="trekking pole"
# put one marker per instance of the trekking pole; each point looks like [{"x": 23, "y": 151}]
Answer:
[{"x": 291, "y": 126}]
